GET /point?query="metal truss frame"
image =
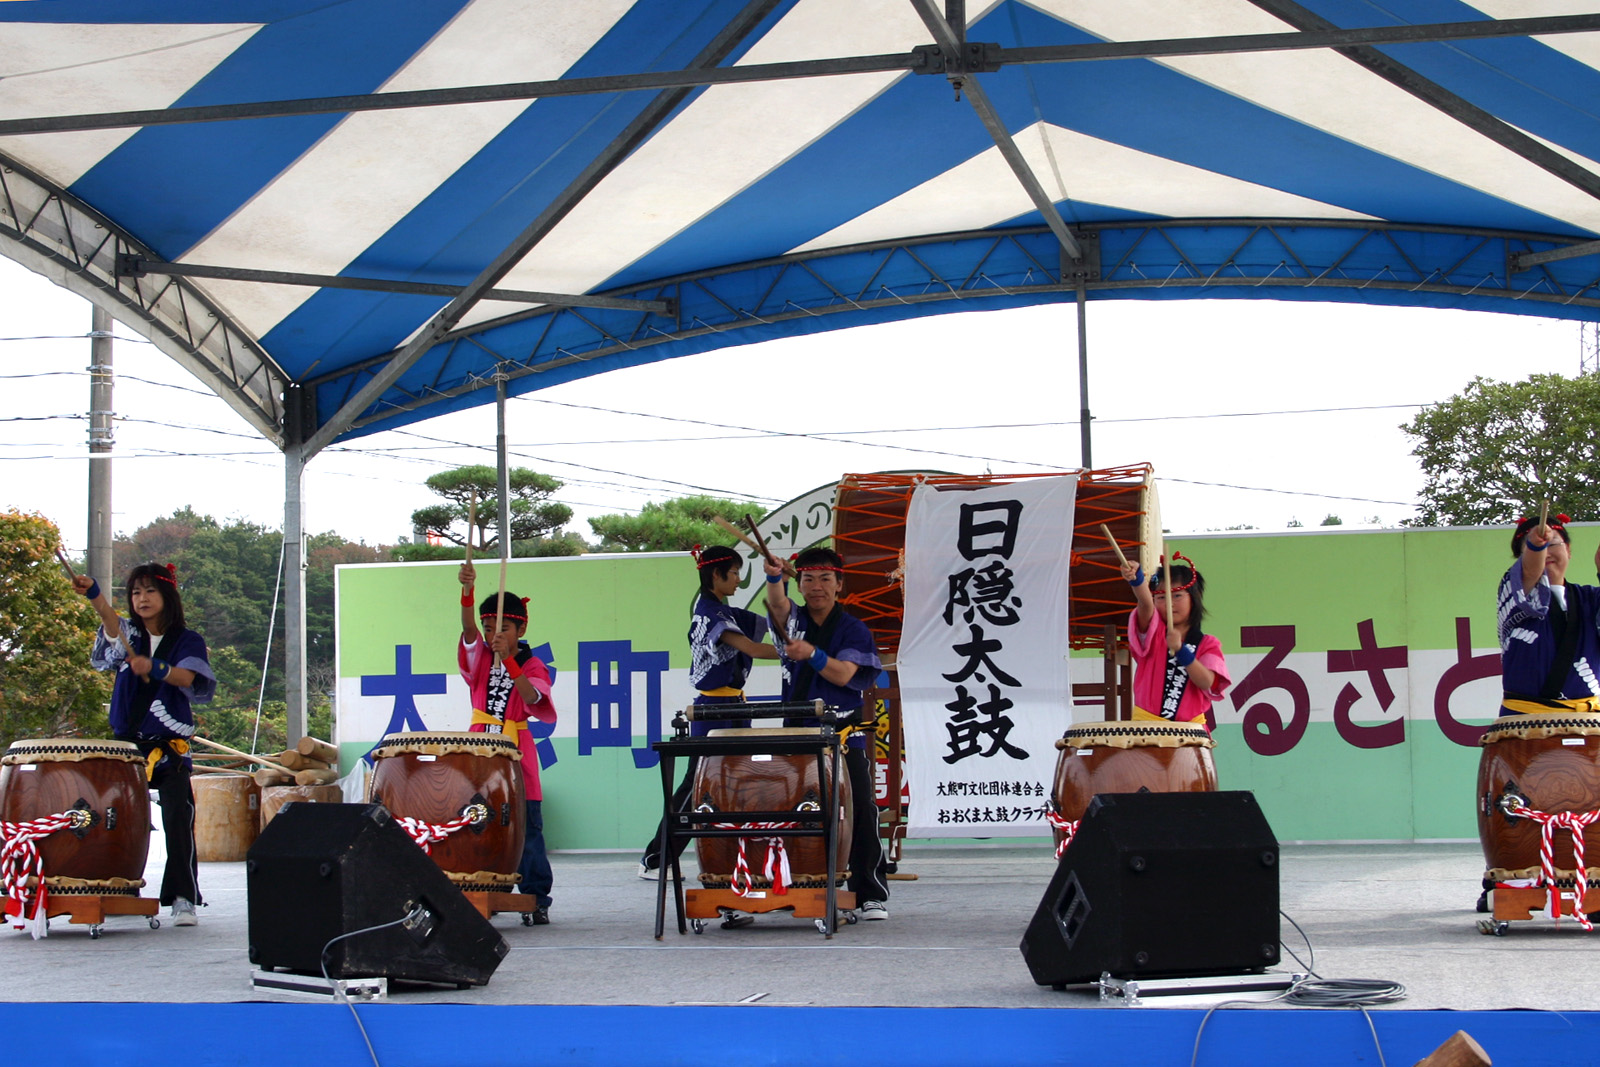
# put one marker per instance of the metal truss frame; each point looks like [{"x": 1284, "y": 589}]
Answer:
[
  {"x": 1386, "y": 263},
  {"x": 53, "y": 233}
]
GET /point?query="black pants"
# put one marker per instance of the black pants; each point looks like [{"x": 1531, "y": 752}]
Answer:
[
  {"x": 680, "y": 800},
  {"x": 869, "y": 866},
  {"x": 176, "y": 797}
]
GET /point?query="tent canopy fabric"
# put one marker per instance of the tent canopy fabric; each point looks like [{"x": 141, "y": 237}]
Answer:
[{"x": 571, "y": 187}]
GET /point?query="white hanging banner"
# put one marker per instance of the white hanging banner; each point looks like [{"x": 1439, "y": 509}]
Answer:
[{"x": 985, "y": 689}]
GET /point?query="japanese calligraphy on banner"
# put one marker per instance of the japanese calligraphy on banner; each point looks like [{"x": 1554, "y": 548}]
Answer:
[{"x": 984, "y": 679}]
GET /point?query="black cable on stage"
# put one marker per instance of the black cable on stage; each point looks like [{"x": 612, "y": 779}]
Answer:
[
  {"x": 322, "y": 958},
  {"x": 1319, "y": 992}
]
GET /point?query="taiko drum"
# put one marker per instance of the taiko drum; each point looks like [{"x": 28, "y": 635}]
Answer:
[
  {"x": 783, "y": 783},
  {"x": 1551, "y": 762},
  {"x": 435, "y": 777},
  {"x": 1125, "y": 757},
  {"x": 44, "y": 777}
]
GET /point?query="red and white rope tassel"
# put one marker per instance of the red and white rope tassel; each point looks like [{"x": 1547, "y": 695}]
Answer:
[
  {"x": 426, "y": 833},
  {"x": 1549, "y": 822},
  {"x": 1068, "y": 828},
  {"x": 26, "y": 909},
  {"x": 776, "y": 866}
]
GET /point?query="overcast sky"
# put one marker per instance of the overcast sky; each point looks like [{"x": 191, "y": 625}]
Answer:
[{"x": 1254, "y": 412}]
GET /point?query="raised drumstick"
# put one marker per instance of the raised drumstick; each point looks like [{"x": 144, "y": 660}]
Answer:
[
  {"x": 71, "y": 576},
  {"x": 1122, "y": 561},
  {"x": 788, "y": 568}
]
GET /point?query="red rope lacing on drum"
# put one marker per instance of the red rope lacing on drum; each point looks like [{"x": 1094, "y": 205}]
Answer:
[
  {"x": 776, "y": 867},
  {"x": 426, "y": 833},
  {"x": 1549, "y": 822},
  {"x": 20, "y": 859},
  {"x": 1068, "y": 828}
]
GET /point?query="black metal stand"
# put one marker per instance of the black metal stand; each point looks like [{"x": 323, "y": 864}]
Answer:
[{"x": 675, "y": 825}]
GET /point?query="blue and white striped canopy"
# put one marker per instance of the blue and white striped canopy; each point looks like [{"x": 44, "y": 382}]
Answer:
[{"x": 558, "y": 197}]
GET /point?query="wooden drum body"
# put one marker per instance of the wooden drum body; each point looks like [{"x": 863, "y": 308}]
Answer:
[
  {"x": 735, "y": 784},
  {"x": 44, "y": 777},
  {"x": 435, "y": 777},
  {"x": 1552, "y": 762},
  {"x": 1125, "y": 757}
]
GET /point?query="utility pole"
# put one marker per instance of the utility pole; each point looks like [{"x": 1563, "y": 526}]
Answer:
[{"x": 97, "y": 561}]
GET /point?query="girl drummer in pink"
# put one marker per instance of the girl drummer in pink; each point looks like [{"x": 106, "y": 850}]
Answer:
[{"x": 1178, "y": 674}]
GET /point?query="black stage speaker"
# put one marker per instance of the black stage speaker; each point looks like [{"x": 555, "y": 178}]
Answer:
[
  {"x": 1160, "y": 885},
  {"x": 321, "y": 870}
]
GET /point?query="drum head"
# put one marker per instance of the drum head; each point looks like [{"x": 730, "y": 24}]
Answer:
[{"x": 68, "y": 749}]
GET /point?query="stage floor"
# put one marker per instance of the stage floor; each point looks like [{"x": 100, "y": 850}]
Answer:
[{"x": 1402, "y": 913}]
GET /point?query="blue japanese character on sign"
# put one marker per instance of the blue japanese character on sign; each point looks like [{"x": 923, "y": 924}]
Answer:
[
  {"x": 605, "y": 697},
  {"x": 405, "y": 687}
]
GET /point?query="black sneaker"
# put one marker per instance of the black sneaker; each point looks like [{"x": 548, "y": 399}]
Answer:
[{"x": 541, "y": 916}]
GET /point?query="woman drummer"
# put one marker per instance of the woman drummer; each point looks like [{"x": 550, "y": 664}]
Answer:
[
  {"x": 1549, "y": 627},
  {"x": 1178, "y": 673},
  {"x": 162, "y": 668},
  {"x": 724, "y": 642}
]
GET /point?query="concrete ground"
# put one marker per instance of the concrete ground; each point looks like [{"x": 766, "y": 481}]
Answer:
[{"x": 1396, "y": 912}]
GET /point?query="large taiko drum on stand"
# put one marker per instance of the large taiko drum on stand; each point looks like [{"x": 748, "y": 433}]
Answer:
[
  {"x": 768, "y": 783},
  {"x": 869, "y": 533},
  {"x": 39, "y": 778},
  {"x": 436, "y": 777},
  {"x": 1125, "y": 757},
  {"x": 1551, "y": 763}
]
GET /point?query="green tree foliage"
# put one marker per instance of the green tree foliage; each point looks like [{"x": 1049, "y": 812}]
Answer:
[
  {"x": 1331, "y": 520},
  {"x": 671, "y": 526},
  {"x": 47, "y": 688},
  {"x": 228, "y": 575},
  {"x": 1492, "y": 452},
  {"x": 533, "y": 515}
]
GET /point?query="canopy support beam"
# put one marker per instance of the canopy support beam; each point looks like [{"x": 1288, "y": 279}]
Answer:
[
  {"x": 954, "y": 47},
  {"x": 1437, "y": 96},
  {"x": 637, "y": 131},
  {"x": 135, "y": 266},
  {"x": 918, "y": 61}
]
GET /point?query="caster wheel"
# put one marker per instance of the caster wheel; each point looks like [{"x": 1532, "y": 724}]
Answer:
[
  {"x": 851, "y": 918},
  {"x": 527, "y": 918},
  {"x": 95, "y": 930},
  {"x": 822, "y": 925},
  {"x": 1493, "y": 927},
  {"x": 155, "y": 923},
  {"x": 697, "y": 926}
]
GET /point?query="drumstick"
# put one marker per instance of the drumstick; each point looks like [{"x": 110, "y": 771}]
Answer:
[
  {"x": 198, "y": 740},
  {"x": 72, "y": 577},
  {"x": 1166, "y": 586},
  {"x": 761, "y": 546},
  {"x": 472, "y": 522},
  {"x": 1122, "y": 560},
  {"x": 788, "y": 568},
  {"x": 1544, "y": 511},
  {"x": 779, "y": 630}
]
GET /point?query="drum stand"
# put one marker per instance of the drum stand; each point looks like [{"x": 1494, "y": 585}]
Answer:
[
  {"x": 91, "y": 909},
  {"x": 822, "y": 905},
  {"x": 1521, "y": 903}
]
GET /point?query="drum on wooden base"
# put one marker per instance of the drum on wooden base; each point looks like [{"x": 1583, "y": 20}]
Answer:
[
  {"x": 227, "y": 816},
  {"x": 1550, "y": 763},
  {"x": 436, "y": 777},
  {"x": 44, "y": 777},
  {"x": 768, "y": 783},
  {"x": 1125, "y": 757}
]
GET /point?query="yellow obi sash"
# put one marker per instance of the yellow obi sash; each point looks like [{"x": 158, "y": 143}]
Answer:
[
  {"x": 175, "y": 745},
  {"x": 1140, "y": 715},
  {"x": 508, "y": 729},
  {"x": 725, "y": 691},
  {"x": 1557, "y": 707}
]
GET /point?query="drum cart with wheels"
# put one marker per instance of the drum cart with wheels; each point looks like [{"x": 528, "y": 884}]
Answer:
[{"x": 820, "y": 904}]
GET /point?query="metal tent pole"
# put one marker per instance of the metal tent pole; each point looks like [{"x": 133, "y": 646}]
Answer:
[
  {"x": 1084, "y": 429},
  {"x": 97, "y": 560}
]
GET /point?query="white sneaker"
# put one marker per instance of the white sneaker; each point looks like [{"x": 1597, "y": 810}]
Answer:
[
  {"x": 872, "y": 911},
  {"x": 183, "y": 913},
  {"x": 649, "y": 874}
]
